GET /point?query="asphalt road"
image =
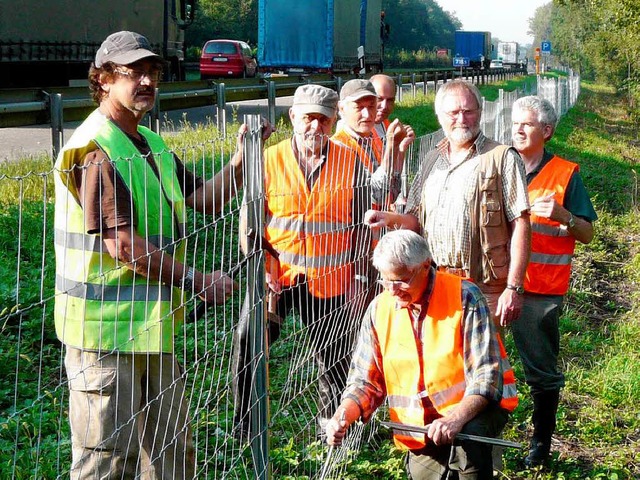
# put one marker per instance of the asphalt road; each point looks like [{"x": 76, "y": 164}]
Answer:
[{"x": 20, "y": 142}]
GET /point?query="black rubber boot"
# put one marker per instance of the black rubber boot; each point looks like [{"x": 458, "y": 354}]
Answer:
[{"x": 545, "y": 407}]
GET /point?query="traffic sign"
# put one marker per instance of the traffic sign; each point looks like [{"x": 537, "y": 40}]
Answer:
[
  {"x": 460, "y": 61},
  {"x": 545, "y": 47}
]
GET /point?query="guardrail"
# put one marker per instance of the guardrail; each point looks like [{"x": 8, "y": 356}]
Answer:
[{"x": 20, "y": 107}]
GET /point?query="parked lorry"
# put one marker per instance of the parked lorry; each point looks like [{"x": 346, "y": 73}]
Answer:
[
  {"x": 318, "y": 35},
  {"x": 508, "y": 52},
  {"x": 476, "y": 46},
  {"x": 54, "y": 43}
]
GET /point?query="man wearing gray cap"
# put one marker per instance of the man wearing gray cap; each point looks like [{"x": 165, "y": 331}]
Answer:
[
  {"x": 316, "y": 195},
  {"x": 121, "y": 274},
  {"x": 384, "y": 160}
]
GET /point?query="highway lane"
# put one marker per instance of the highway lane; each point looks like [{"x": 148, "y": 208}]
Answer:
[{"x": 20, "y": 142}]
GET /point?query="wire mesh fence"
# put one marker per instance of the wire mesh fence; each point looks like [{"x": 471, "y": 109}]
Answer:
[{"x": 289, "y": 386}]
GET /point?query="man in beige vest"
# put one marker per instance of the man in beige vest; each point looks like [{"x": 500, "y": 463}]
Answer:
[{"x": 470, "y": 200}]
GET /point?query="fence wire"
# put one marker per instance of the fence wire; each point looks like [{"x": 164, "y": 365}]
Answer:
[{"x": 313, "y": 341}]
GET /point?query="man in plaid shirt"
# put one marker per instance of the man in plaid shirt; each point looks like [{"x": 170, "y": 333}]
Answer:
[
  {"x": 428, "y": 345},
  {"x": 470, "y": 200}
]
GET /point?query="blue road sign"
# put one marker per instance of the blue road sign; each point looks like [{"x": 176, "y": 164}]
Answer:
[
  {"x": 545, "y": 47},
  {"x": 460, "y": 61}
]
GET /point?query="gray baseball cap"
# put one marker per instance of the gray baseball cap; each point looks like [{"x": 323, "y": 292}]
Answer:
[
  {"x": 356, "y": 89},
  {"x": 124, "y": 48},
  {"x": 316, "y": 99}
]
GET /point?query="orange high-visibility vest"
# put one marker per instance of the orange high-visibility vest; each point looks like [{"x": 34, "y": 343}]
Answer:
[
  {"x": 442, "y": 363},
  {"x": 311, "y": 228},
  {"x": 370, "y": 154},
  {"x": 376, "y": 132},
  {"x": 552, "y": 246}
]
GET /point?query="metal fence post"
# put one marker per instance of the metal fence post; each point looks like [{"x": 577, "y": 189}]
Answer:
[
  {"x": 399, "y": 83},
  {"x": 413, "y": 85},
  {"x": 501, "y": 119},
  {"x": 254, "y": 200},
  {"x": 425, "y": 80},
  {"x": 339, "y": 83},
  {"x": 221, "y": 112},
  {"x": 271, "y": 96},
  {"x": 57, "y": 131},
  {"x": 154, "y": 114}
]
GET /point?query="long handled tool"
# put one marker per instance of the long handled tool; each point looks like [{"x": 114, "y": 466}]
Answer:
[
  {"x": 327, "y": 462},
  {"x": 460, "y": 436}
]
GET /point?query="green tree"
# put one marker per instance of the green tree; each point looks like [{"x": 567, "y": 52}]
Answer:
[
  {"x": 599, "y": 38},
  {"x": 234, "y": 19},
  {"x": 419, "y": 24}
]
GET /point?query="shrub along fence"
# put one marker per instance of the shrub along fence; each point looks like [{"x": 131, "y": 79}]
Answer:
[{"x": 285, "y": 435}]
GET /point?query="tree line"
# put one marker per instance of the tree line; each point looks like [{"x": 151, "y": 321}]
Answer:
[
  {"x": 598, "y": 38},
  {"x": 413, "y": 24}
]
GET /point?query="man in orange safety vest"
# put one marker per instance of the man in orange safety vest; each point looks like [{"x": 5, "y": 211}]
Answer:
[{"x": 428, "y": 346}]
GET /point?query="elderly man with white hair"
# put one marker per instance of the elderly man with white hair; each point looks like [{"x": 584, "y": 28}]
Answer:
[
  {"x": 561, "y": 213},
  {"x": 429, "y": 347}
]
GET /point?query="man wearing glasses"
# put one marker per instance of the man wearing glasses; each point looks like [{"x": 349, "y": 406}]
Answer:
[
  {"x": 429, "y": 347},
  {"x": 470, "y": 199},
  {"x": 120, "y": 212}
]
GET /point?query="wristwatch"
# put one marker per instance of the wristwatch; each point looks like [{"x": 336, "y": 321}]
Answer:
[
  {"x": 187, "y": 281},
  {"x": 572, "y": 221},
  {"x": 516, "y": 288}
]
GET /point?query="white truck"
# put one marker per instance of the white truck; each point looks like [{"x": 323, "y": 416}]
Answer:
[{"x": 508, "y": 52}]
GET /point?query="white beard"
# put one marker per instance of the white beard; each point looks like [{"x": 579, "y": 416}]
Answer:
[{"x": 460, "y": 136}]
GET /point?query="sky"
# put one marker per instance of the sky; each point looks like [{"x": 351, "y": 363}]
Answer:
[{"x": 506, "y": 19}]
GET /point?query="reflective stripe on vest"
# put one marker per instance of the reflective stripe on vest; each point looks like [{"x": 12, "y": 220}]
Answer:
[
  {"x": 442, "y": 363},
  {"x": 552, "y": 246},
  {"x": 311, "y": 228},
  {"x": 100, "y": 303}
]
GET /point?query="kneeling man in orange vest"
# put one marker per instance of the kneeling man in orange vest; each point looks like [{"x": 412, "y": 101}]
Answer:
[{"x": 428, "y": 345}]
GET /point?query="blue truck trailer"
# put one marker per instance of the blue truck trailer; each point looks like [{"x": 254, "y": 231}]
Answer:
[
  {"x": 476, "y": 46},
  {"x": 318, "y": 35}
]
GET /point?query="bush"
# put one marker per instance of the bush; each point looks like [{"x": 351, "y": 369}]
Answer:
[
  {"x": 193, "y": 54},
  {"x": 422, "y": 58}
]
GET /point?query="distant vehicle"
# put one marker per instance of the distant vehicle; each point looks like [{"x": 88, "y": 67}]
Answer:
[
  {"x": 227, "y": 58},
  {"x": 476, "y": 46},
  {"x": 46, "y": 44},
  {"x": 496, "y": 64},
  {"x": 320, "y": 35},
  {"x": 508, "y": 52}
]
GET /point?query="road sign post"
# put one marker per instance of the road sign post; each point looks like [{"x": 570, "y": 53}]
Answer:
[
  {"x": 461, "y": 62},
  {"x": 545, "y": 48}
]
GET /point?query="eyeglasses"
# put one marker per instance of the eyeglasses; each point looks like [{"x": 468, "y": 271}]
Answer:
[
  {"x": 322, "y": 119},
  {"x": 465, "y": 113},
  {"x": 136, "y": 75},
  {"x": 400, "y": 284}
]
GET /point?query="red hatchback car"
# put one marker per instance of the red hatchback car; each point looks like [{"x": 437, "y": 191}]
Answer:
[{"x": 227, "y": 58}]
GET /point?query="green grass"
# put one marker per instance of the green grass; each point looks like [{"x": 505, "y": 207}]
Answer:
[
  {"x": 598, "y": 424},
  {"x": 491, "y": 91},
  {"x": 597, "y": 435}
]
